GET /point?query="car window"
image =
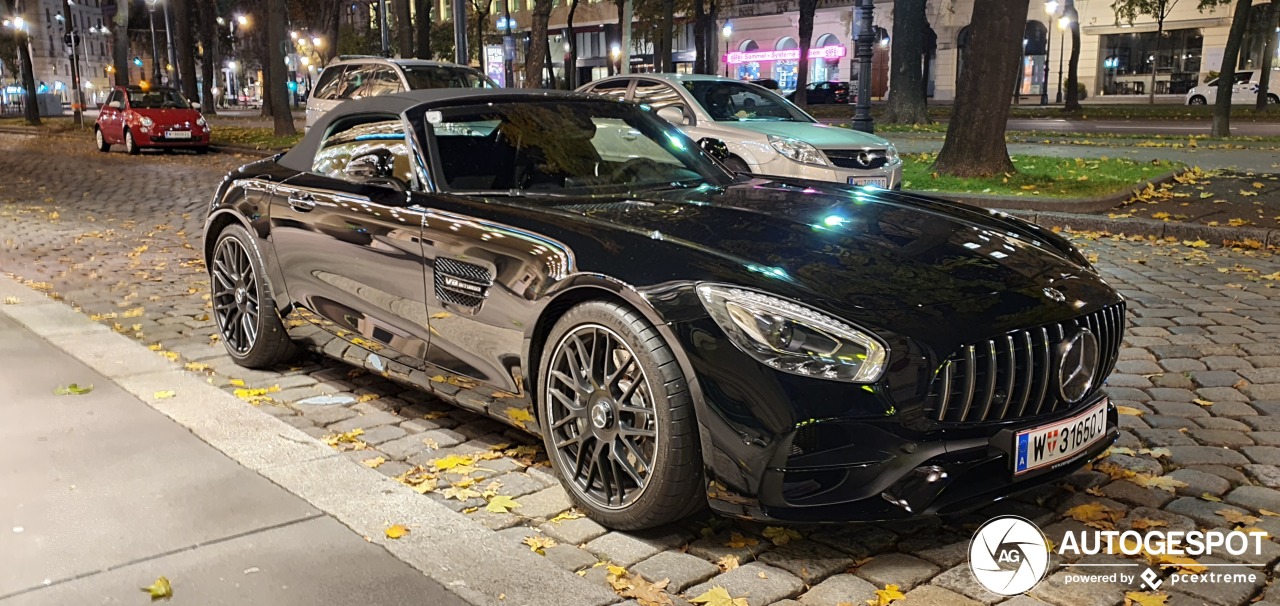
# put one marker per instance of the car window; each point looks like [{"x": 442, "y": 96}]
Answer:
[
  {"x": 732, "y": 101},
  {"x": 658, "y": 95},
  {"x": 381, "y": 80},
  {"x": 1244, "y": 77},
  {"x": 330, "y": 82},
  {"x": 353, "y": 79},
  {"x": 157, "y": 98},
  {"x": 115, "y": 96},
  {"x": 582, "y": 147},
  {"x": 361, "y": 135},
  {"x": 613, "y": 88},
  {"x": 445, "y": 76}
]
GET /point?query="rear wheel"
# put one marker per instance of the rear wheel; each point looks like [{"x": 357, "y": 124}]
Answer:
[
  {"x": 103, "y": 146},
  {"x": 243, "y": 308},
  {"x": 1196, "y": 100},
  {"x": 618, "y": 418},
  {"x": 1272, "y": 99},
  {"x": 130, "y": 145}
]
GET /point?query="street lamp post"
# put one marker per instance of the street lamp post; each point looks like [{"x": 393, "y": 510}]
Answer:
[
  {"x": 1063, "y": 23},
  {"x": 176, "y": 76},
  {"x": 155, "y": 46},
  {"x": 1050, "y": 9},
  {"x": 727, "y": 33},
  {"x": 71, "y": 37},
  {"x": 866, "y": 37}
]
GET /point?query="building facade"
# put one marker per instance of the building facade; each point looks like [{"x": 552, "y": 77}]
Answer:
[
  {"x": 51, "y": 56},
  {"x": 1117, "y": 59}
]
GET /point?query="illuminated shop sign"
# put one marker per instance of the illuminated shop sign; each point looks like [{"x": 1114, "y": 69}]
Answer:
[{"x": 824, "y": 52}]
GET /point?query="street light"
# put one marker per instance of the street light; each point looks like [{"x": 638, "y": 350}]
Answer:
[
  {"x": 155, "y": 46},
  {"x": 726, "y": 32},
  {"x": 1050, "y": 9},
  {"x": 1063, "y": 23}
]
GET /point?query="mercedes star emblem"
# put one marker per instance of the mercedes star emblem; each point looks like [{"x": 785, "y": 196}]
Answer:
[{"x": 1077, "y": 362}]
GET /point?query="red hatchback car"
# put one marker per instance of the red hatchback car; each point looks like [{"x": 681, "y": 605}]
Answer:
[{"x": 150, "y": 117}]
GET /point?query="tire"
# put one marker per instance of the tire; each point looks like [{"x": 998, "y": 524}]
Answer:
[
  {"x": 655, "y": 429},
  {"x": 1272, "y": 99},
  {"x": 829, "y": 99},
  {"x": 130, "y": 145},
  {"x": 1196, "y": 100},
  {"x": 737, "y": 165},
  {"x": 200, "y": 151},
  {"x": 243, "y": 308},
  {"x": 101, "y": 140}
]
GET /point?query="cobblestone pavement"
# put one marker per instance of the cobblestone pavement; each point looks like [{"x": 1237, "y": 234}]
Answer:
[{"x": 118, "y": 237}]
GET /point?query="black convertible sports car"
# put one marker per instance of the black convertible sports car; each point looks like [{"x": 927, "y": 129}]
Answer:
[{"x": 786, "y": 350}]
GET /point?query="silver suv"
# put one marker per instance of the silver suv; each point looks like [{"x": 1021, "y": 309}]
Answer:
[{"x": 359, "y": 77}]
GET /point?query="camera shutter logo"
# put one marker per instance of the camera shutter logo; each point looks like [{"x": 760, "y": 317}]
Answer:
[{"x": 1008, "y": 555}]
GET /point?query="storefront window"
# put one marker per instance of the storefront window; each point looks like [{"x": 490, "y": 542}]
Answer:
[
  {"x": 785, "y": 71},
  {"x": 823, "y": 70},
  {"x": 1129, "y": 59},
  {"x": 1035, "y": 50},
  {"x": 1255, "y": 38},
  {"x": 749, "y": 71}
]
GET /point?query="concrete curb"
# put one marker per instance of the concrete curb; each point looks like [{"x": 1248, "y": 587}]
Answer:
[
  {"x": 216, "y": 148},
  {"x": 472, "y": 561},
  {"x": 1064, "y": 205},
  {"x": 1151, "y": 227}
]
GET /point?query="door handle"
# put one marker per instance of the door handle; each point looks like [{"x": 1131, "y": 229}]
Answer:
[{"x": 302, "y": 203}]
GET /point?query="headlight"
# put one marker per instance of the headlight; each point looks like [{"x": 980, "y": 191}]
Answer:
[
  {"x": 891, "y": 154},
  {"x": 148, "y": 122},
  {"x": 794, "y": 338},
  {"x": 200, "y": 121},
  {"x": 798, "y": 150}
]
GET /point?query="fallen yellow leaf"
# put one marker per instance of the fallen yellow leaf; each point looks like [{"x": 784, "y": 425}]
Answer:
[
  {"x": 1145, "y": 598},
  {"x": 396, "y": 531},
  {"x": 886, "y": 596},
  {"x": 719, "y": 596},
  {"x": 501, "y": 504},
  {"x": 159, "y": 590},
  {"x": 163, "y": 395}
]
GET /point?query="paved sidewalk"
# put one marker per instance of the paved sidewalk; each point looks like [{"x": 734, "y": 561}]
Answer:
[{"x": 102, "y": 495}]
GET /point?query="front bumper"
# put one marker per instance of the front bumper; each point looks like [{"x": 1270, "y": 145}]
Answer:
[
  {"x": 780, "y": 166},
  {"x": 878, "y": 475},
  {"x": 153, "y": 138}
]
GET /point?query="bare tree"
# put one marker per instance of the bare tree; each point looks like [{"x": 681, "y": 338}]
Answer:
[
  {"x": 481, "y": 9},
  {"x": 208, "y": 63},
  {"x": 975, "y": 143},
  {"x": 404, "y": 28},
  {"x": 908, "y": 103},
  {"x": 664, "y": 44},
  {"x": 1268, "y": 53},
  {"x": 1227, "y": 74},
  {"x": 120, "y": 44},
  {"x": 1072, "y": 96},
  {"x": 535, "y": 59},
  {"x": 184, "y": 46},
  {"x": 423, "y": 25},
  {"x": 1156, "y": 9},
  {"x": 571, "y": 61},
  {"x": 276, "y": 91},
  {"x": 30, "y": 111},
  {"x": 807, "y": 10}
]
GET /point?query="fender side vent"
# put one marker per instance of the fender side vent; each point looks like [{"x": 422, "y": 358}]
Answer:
[{"x": 462, "y": 284}]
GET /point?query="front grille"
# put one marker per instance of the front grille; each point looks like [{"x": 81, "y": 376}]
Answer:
[
  {"x": 858, "y": 159},
  {"x": 1011, "y": 377},
  {"x": 462, "y": 284}
]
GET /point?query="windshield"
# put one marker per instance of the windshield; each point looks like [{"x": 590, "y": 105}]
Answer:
[
  {"x": 730, "y": 101},
  {"x": 564, "y": 147},
  {"x": 157, "y": 98},
  {"x": 442, "y": 76}
]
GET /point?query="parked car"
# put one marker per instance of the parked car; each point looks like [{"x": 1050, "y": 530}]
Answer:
[
  {"x": 1244, "y": 91},
  {"x": 818, "y": 93},
  {"x": 359, "y": 77},
  {"x": 676, "y": 332},
  {"x": 765, "y": 134},
  {"x": 152, "y": 117}
]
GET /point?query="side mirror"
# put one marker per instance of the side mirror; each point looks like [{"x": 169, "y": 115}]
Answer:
[
  {"x": 714, "y": 148},
  {"x": 375, "y": 168},
  {"x": 195, "y": 105},
  {"x": 115, "y": 105},
  {"x": 674, "y": 115}
]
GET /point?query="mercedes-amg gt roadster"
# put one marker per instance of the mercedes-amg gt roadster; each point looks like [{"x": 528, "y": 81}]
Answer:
[{"x": 680, "y": 334}]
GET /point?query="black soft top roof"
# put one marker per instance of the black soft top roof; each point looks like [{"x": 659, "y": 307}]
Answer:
[{"x": 300, "y": 157}]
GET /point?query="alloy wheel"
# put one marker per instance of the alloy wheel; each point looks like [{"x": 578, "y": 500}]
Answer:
[
  {"x": 235, "y": 296},
  {"x": 600, "y": 415}
]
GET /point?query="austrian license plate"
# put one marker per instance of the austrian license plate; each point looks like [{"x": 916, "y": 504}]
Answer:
[
  {"x": 178, "y": 134},
  {"x": 881, "y": 182},
  {"x": 1059, "y": 441}
]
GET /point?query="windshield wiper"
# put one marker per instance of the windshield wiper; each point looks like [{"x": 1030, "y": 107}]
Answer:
[{"x": 509, "y": 193}]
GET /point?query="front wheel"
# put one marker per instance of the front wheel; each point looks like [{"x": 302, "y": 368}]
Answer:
[
  {"x": 98, "y": 138},
  {"x": 243, "y": 308},
  {"x": 1272, "y": 99},
  {"x": 736, "y": 165},
  {"x": 130, "y": 145},
  {"x": 618, "y": 419},
  {"x": 1196, "y": 100}
]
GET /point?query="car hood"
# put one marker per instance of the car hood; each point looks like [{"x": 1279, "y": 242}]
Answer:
[
  {"x": 815, "y": 133},
  {"x": 169, "y": 116},
  {"x": 860, "y": 249}
]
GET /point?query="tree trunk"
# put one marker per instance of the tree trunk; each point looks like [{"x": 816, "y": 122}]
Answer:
[
  {"x": 1268, "y": 52},
  {"x": 1227, "y": 74},
  {"x": 625, "y": 8},
  {"x": 1155, "y": 61},
  {"x": 184, "y": 46},
  {"x": 807, "y": 10},
  {"x": 30, "y": 110},
  {"x": 1072, "y": 96},
  {"x": 975, "y": 145},
  {"x": 404, "y": 28},
  {"x": 664, "y": 61},
  {"x": 907, "y": 103},
  {"x": 571, "y": 61},
  {"x": 423, "y": 25},
  {"x": 276, "y": 91},
  {"x": 701, "y": 58},
  {"x": 120, "y": 44},
  {"x": 262, "y": 36},
  {"x": 332, "y": 28},
  {"x": 535, "y": 55},
  {"x": 208, "y": 27}
]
